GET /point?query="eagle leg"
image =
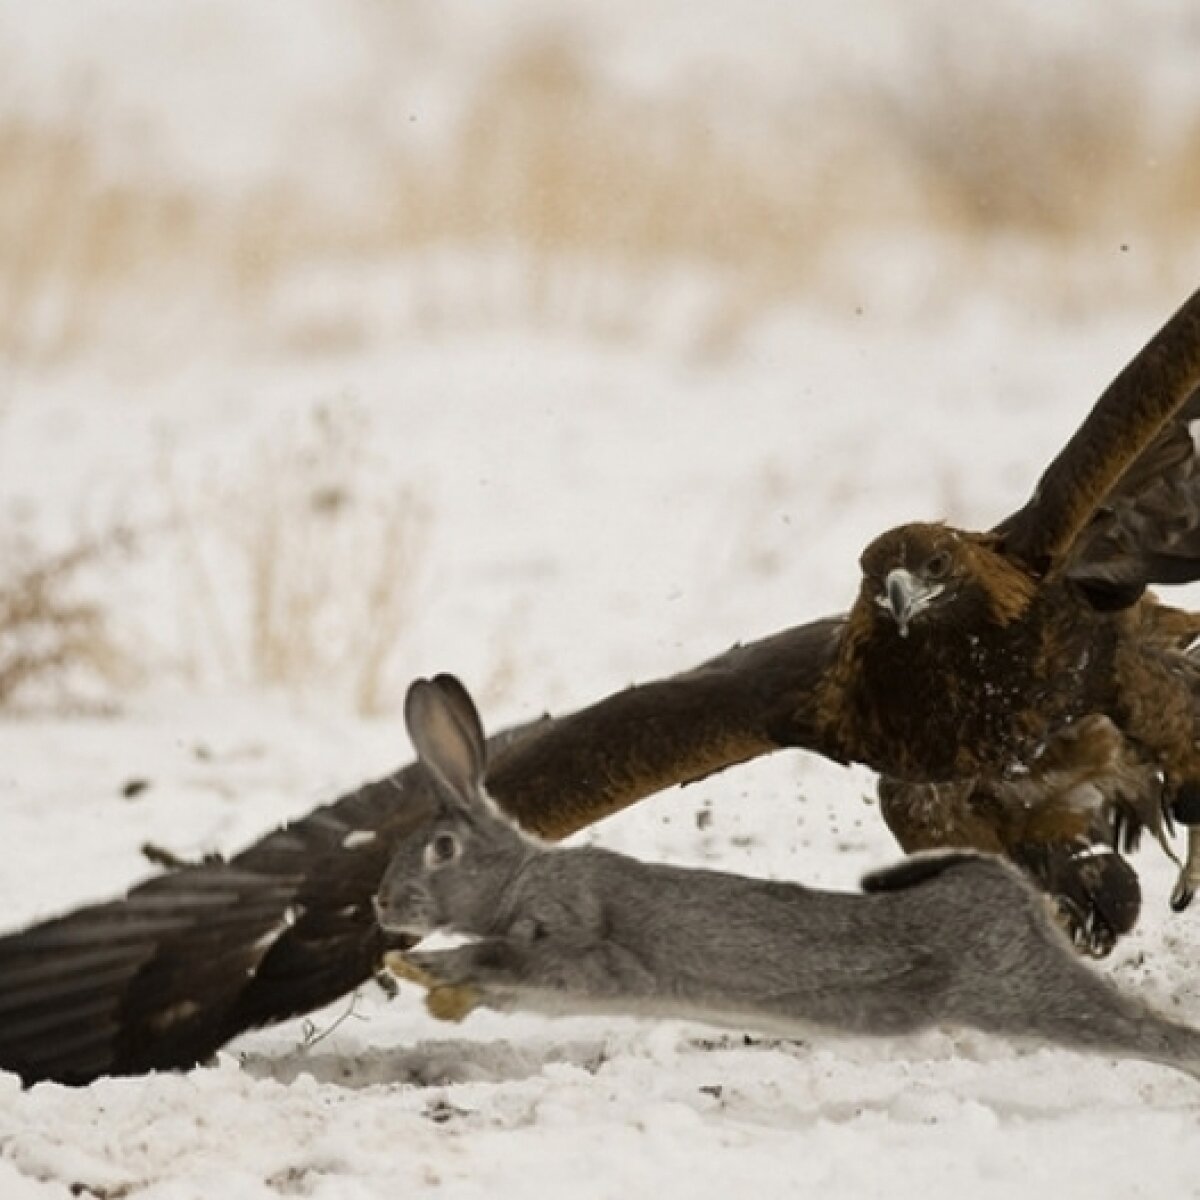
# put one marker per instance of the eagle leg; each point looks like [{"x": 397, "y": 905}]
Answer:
[
  {"x": 1185, "y": 808},
  {"x": 1094, "y": 892}
]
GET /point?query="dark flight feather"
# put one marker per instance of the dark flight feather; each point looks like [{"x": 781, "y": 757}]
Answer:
[{"x": 1110, "y": 444}]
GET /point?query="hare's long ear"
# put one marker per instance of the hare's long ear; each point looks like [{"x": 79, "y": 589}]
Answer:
[
  {"x": 467, "y": 715},
  {"x": 447, "y": 735}
]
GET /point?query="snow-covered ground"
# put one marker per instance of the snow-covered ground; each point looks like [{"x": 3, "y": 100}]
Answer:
[
  {"x": 568, "y": 506},
  {"x": 596, "y": 516}
]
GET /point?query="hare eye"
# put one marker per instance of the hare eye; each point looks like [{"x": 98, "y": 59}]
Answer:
[
  {"x": 938, "y": 565},
  {"x": 443, "y": 849}
]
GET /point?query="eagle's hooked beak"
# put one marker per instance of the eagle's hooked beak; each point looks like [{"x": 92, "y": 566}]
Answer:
[{"x": 905, "y": 595}]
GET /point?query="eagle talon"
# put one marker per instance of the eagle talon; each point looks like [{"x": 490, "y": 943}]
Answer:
[
  {"x": 1189, "y": 873},
  {"x": 1100, "y": 939},
  {"x": 1088, "y": 931}
]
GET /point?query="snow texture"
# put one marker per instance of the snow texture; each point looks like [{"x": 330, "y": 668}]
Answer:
[
  {"x": 598, "y": 513},
  {"x": 600, "y": 516}
]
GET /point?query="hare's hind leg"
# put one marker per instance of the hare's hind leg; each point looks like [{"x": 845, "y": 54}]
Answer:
[
  {"x": 1080, "y": 1008},
  {"x": 1012, "y": 971},
  {"x": 1020, "y": 978}
]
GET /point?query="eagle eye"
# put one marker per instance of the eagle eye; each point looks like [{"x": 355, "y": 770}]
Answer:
[{"x": 937, "y": 565}]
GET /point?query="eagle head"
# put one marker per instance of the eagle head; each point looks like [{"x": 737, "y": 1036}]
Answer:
[{"x": 933, "y": 573}]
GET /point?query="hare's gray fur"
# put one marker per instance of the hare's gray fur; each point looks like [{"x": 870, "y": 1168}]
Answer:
[{"x": 952, "y": 938}]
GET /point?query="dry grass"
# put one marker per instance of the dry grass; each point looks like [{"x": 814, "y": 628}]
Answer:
[
  {"x": 321, "y": 561},
  {"x": 56, "y": 645},
  {"x": 578, "y": 180},
  {"x": 331, "y": 593},
  {"x": 1051, "y": 145},
  {"x": 71, "y": 237},
  {"x": 554, "y": 160}
]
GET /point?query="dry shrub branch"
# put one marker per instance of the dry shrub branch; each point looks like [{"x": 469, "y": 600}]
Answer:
[
  {"x": 55, "y": 645},
  {"x": 319, "y": 554}
]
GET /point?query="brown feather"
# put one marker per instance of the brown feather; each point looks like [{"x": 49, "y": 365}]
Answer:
[
  {"x": 747, "y": 702},
  {"x": 1122, "y": 425}
]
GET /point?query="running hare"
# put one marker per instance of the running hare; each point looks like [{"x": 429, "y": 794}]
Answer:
[{"x": 954, "y": 938}]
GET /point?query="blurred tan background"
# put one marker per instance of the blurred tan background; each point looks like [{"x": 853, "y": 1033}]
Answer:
[
  {"x": 309, "y": 175},
  {"x": 252, "y": 253}
]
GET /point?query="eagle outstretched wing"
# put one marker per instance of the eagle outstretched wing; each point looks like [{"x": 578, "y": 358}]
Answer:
[
  {"x": 164, "y": 976},
  {"x": 1147, "y": 530},
  {"x": 119, "y": 986},
  {"x": 1119, "y": 507}
]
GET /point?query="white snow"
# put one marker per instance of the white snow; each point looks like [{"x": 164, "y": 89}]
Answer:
[
  {"x": 599, "y": 516},
  {"x": 592, "y": 512}
]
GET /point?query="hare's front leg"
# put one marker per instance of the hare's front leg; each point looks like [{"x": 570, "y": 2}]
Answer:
[
  {"x": 493, "y": 973},
  {"x": 551, "y": 975},
  {"x": 446, "y": 1000},
  {"x": 478, "y": 974}
]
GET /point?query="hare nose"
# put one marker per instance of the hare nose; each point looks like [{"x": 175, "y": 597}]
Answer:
[{"x": 400, "y": 933}]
